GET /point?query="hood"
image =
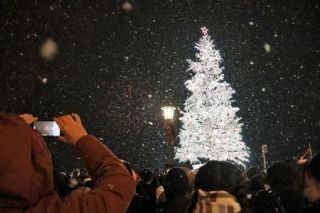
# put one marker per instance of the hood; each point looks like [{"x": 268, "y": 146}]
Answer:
[
  {"x": 25, "y": 164},
  {"x": 216, "y": 201}
]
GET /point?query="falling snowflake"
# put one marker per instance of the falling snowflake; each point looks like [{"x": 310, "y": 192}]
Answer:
[
  {"x": 267, "y": 47},
  {"x": 49, "y": 49},
  {"x": 43, "y": 79},
  {"x": 127, "y": 6}
]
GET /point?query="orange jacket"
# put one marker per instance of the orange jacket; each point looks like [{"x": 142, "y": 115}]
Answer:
[{"x": 26, "y": 180}]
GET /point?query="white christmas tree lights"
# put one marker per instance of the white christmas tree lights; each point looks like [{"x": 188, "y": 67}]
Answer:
[{"x": 210, "y": 127}]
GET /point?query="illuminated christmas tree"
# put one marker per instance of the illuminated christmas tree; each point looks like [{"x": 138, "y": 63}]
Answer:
[{"x": 211, "y": 130}]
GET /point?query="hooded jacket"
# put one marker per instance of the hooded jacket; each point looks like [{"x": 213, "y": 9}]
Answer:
[
  {"x": 26, "y": 178},
  {"x": 216, "y": 201}
]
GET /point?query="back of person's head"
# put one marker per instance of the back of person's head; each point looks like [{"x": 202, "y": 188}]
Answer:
[
  {"x": 281, "y": 174},
  {"x": 256, "y": 183},
  {"x": 190, "y": 176},
  {"x": 297, "y": 169},
  {"x": 25, "y": 164},
  {"x": 218, "y": 176},
  {"x": 146, "y": 175},
  {"x": 312, "y": 179},
  {"x": 312, "y": 169},
  {"x": 176, "y": 183},
  {"x": 61, "y": 183},
  {"x": 253, "y": 171}
]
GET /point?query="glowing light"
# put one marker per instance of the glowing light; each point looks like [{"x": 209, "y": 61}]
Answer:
[
  {"x": 168, "y": 112},
  {"x": 49, "y": 49}
]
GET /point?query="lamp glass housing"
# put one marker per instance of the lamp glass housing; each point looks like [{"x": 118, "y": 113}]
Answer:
[{"x": 168, "y": 112}]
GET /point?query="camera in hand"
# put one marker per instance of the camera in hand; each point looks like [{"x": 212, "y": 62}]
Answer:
[{"x": 47, "y": 128}]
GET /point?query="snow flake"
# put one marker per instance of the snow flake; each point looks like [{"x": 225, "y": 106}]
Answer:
[
  {"x": 127, "y": 6},
  {"x": 263, "y": 89},
  {"x": 49, "y": 49},
  {"x": 66, "y": 15},
  {"x": 251, "y": 63},
  {"x": 149, "y": 96},
  {"x": 251, "y": 23},
  {"x": 44, "y": 80},
  {"x": 150, "y": 123},
  {"x": 267, "y": 47}
]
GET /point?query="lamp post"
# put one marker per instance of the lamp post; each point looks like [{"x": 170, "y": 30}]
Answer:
[
  {"x": 170, "y": 135},
  {"x": 264, "y": 150}
]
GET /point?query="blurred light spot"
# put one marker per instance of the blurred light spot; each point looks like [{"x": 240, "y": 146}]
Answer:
[
  {"x": 49, "y": 49},
  {"x": 127, "y": 6},
  {"x": 267, "y": 47}
]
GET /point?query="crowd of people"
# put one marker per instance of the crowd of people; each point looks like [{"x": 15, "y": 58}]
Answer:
[{"x": 28, "y": 182}]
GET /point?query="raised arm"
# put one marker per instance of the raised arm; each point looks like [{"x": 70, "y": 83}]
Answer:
[{"x": 113, "y": 185}]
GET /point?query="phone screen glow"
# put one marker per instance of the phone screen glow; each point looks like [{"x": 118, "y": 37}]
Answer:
[{"x": 47, "y": 128}]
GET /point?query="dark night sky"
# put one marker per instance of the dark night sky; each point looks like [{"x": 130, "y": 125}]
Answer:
[{"x": 118, "y": 68}]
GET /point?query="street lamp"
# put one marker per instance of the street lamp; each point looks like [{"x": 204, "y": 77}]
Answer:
[
  {"x": 170, "y": 135},
  {"x": 168, "y": 112}
]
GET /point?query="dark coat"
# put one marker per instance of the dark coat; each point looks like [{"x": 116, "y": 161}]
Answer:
[
  {"x": 277, "y": 200},
  {"x": 141, "y": 203},
  {"x": 176, "y": 205},
  {"x": 312, "y": 208}
]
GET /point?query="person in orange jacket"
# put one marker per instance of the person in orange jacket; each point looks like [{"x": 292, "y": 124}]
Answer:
[{"x": 26, "y": 178}]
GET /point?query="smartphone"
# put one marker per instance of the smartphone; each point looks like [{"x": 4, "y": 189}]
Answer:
[{"x": 47, "y": 128}]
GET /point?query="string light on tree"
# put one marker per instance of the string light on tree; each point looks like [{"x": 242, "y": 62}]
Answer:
[{"x": 210, "y": 129}]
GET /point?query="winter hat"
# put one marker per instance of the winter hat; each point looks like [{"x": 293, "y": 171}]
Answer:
[
  {"x": 176, "y": 183},
  {"x": 281, "y": 174},
  {"x": 190, "y": 176},
  {"x": 25, "y": 164},
  {"x": 218, "y": 176},
  {"x": 146, "y": 175}
]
